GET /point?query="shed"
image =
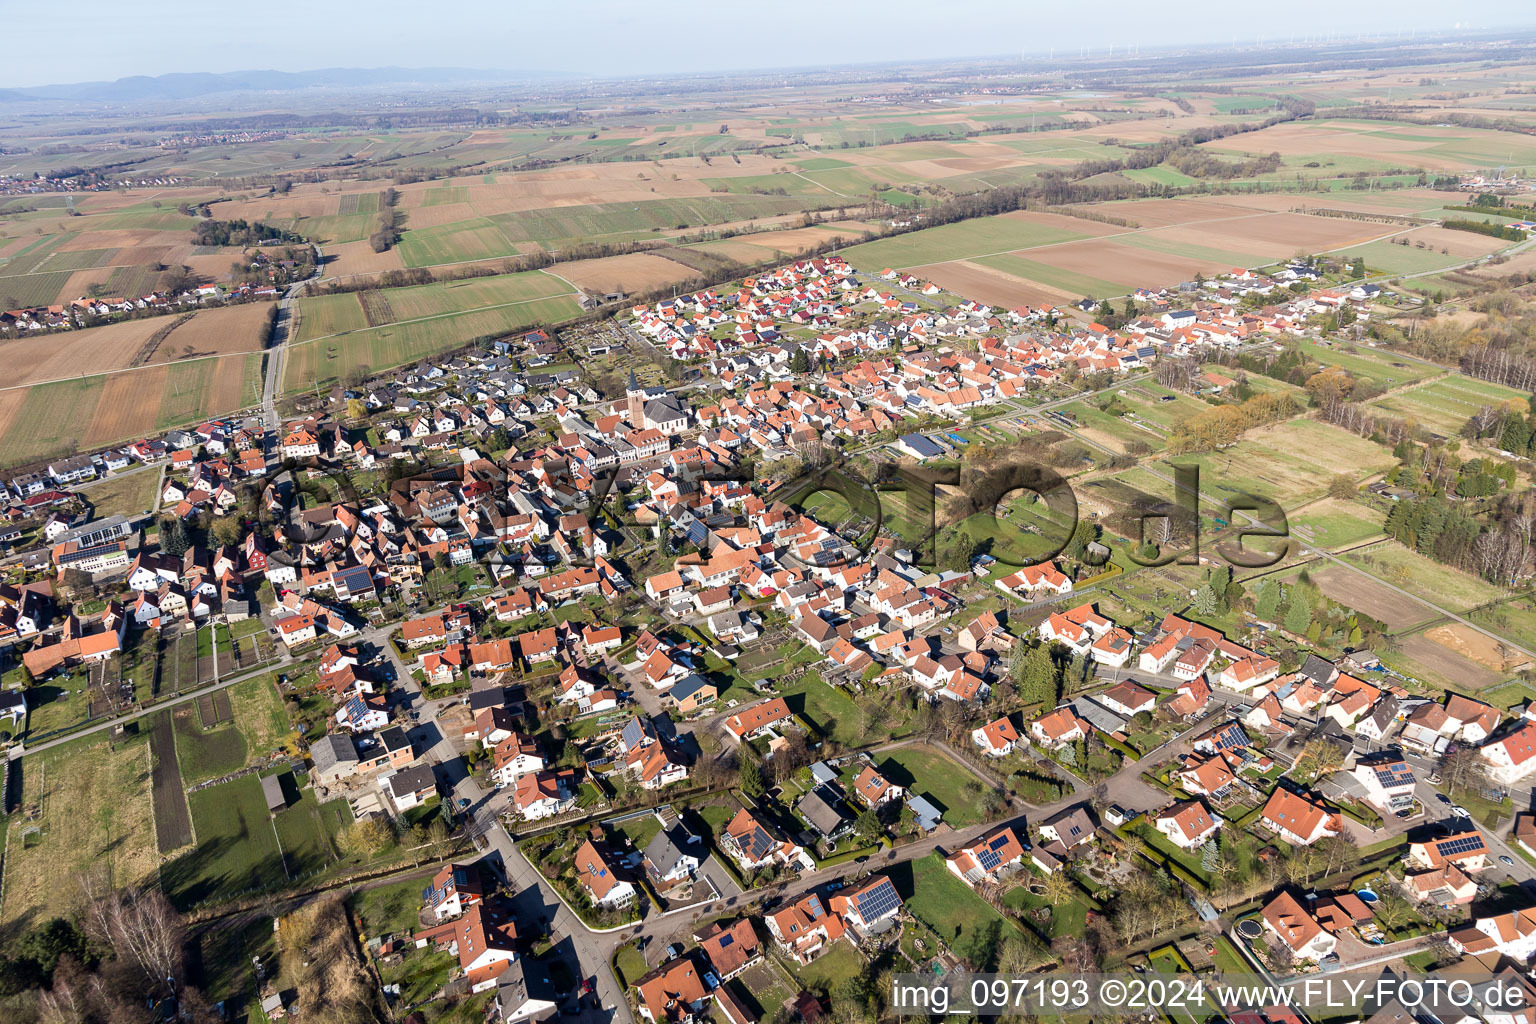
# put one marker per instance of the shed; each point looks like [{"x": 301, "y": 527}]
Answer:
[{"x": 272, "y": 789}]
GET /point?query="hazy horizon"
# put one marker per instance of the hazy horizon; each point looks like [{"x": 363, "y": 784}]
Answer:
[{"x": 604, "y": 38}]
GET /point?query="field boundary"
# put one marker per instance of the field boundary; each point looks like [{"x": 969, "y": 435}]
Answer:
[{"x": 147, "y": 351}]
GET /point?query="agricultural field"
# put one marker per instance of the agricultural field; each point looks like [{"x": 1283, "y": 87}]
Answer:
[
  {"x": 1288, "y": 462},
  {"x": 163, "y": 339},
  {"x": 1333, "y": 523},
  {"x": 117, "y": 243},
  {"x": 1445, "y": 405},
  {"x": 1162, "y": 242},
  {"x": 45, "y": 420},
  {"x": 1358, "y": 591},
  {"x": 969, "y": 239},
  {"x": 1341, "y": 146},
  {"x": 1441, "y": 659},
  {"x": 1450, "y": 588},
  {"x": 378, "y": 348},
  {"x": 93, "y": 812}
]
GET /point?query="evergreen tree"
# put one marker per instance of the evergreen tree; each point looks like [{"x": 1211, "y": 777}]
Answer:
[
  {"x": 1516, "y": 436},
  {"x": 1039, "y": 679},
  {"x": 749, "y": 778},
  {"x": 800, "y": 364},
  {"x": 1205, "y": 600},
  {"x": 1268, "y": 602},
  {"x": 173, "y": 537},
  {"x": 1298, "y": 614}
]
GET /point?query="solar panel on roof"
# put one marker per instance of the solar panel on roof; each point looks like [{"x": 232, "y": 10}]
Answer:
[
  {"x": 988, "y": 859},
  {"x": 1463, "y": 844},
  {"x": 999, "y": 842},
  {"x": 878, "y": 901},
  {"x": 726, "y": 940}
]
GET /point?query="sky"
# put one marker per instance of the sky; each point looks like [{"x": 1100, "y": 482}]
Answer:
[{"x": 623, "y": 37}]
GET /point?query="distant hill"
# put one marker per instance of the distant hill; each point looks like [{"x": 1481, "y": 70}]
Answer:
[{"x": 142, "y": 88}]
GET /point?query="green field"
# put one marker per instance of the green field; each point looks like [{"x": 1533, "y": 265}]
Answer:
[
  {"x": 829, "y": 711},
  {"x": 475, "y": 293},
  {"x": 1055, "y": 277},
  {"x": 968, "y": 239},
  {"x": 1332, "y": 523},
  {"x": 380, "y": 348},
  {"x": 1160, "y": 176},
  {"x": 459, "y": 242},
  {"x": 237, "y": 843},
  {"x": 1384, "y": 257},
  {"x": 321, "y": 316},
  {"x": 206, "y": 754},
  {"x": 556, "y": 225},
  {"x": 53, "y": 419},
  {"x": 1379, "y": 366},
  {"x": 32, "y": 289},
  {"x": 1446, "y": 404},
  {"x": 1445, "y": 586},
  {"x": 1289, "y": 463},
  {"x": 1515, "y": 618},
  {"x": 359, "y": 202}
]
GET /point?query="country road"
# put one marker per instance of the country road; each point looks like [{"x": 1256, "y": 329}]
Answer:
[{"x": 272, "y": 384}]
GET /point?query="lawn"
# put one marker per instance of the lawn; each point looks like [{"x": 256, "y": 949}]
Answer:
[
  {"x": 1066, "y": 919},
  {"x": 965, "y": 921},
  {"x": 828, "y": 971},
  {"x": 829, "y": 711},
  {"x": 388, "y": 908},
  {"x": 227, "y": 973},
  {"x": 259, "y": 714},
  {"x": 629, "y": 964},
  {"x": 56, "y": 704},
  {"x": 640, "y": 830},
  {"x": 929, "y": 772}
]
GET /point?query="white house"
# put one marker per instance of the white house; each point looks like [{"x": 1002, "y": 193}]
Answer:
[{"x": 1187, "y": 824}]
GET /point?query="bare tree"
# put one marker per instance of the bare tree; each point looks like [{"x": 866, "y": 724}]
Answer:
[{"x": 1464, "y": 770}]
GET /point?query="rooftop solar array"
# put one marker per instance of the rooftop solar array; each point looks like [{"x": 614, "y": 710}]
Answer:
[
  {"x": 880, "y": 900},
  {"x": 1460, "y": 845},
  {"x": 1395, "y": 774}
]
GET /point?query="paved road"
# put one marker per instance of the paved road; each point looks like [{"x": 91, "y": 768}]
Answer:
[{"x": 277, "y": 350}]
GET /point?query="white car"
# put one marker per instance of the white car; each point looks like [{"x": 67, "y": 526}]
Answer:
[{"x": 1460, "y": 811}]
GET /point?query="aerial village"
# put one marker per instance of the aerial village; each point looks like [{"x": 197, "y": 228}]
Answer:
[{"x": 729, "y": 752}]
